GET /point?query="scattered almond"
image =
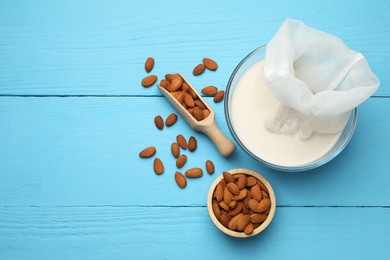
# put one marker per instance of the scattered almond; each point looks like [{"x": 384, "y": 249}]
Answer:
[
  {"x": 175, "y": 149},
  {"x": 199, "y": 69},
  {"x": 219, "y": 96},
  {"x": 181, "y": 161},
  {"x": 171, "y": 119},
  {"x": 180, "y": 180},
  {"x": 181, "y": 141},
  {"x": 210, "y": 91},
  {"x": 149, "y": 81},
  {"x": 192, "y": 144},
  {"x": 147, "y": 152},
  {"x": 159, "y": 122},
  {"x": 209, "y": 167},
  {"x": 149, "y": 64},
  {"x": 194, "y": 173},
  {"x": 158, "y": 166},
  {"x": 210, "y": 64}
]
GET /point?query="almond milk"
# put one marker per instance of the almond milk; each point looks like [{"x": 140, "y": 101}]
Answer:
[{"x": 250, "y": 103}]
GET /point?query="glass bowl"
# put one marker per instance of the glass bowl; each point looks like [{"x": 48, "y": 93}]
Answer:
[{"x": 338, "y": 146}]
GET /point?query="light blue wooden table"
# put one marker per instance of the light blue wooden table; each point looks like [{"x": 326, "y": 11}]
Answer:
[{"x": 73, "y": 118}]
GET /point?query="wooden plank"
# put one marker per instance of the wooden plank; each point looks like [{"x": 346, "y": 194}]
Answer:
[
  {"x": 84, "y": 151},
  {"x": 178, "y": 233},
  {"x": 83, "y": 47}
]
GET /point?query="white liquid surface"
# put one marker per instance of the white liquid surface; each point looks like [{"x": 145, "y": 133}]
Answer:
[{"x": 250, "y": 103}]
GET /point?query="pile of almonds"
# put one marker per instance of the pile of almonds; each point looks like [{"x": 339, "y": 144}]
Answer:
[{"x": 241, "y": 202}]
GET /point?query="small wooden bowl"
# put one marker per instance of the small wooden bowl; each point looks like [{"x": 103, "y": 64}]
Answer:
[{"x": 236, "y": 233}]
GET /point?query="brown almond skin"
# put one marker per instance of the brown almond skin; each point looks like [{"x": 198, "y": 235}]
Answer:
[
  {"x": 233, "y": 222},
  {"x": 262, "y": 186},
  {"x": 219, "y": 96},
  {"x": 264, "y": 194},
  {"x": 253, "y": 204},
  {"x": 249, "y": 229},
  {"x": 158, "y": 166},
  {"x": 169, "y": 77},
  {"x": 242, "y": 195},
  {"x": 147, "y": 152},
  {"x": 210, "y": 90},
  {"x": 185, "y": 87},
  {"x": 209, "y": 167},
  {"x": 256, "y": 192},
  {"x": 181, "y": 141},
  {"x": 200, "y": 104},
  {"x": 192, "y": 144},
  {"x": 216, "y": 209},
  {"x": 180, "y": 97},
  {"x": 181, "y": 161},
  {"x": 250, "y": 181},
  {"x": 176, "y": 83},
  {"x": 164, "y": 83},
  {"x": 199, "y": 69},
  {"x": 149, "y": 81},
  {"x": 225, "y": 219},
  {"x": 227, "y": 196},
  {"x": 192, "y": 93},
  {"x": 258, "y": 218},
  {"x": 223, "y": 205},
  {"x": 210, "y": 64},
  {"x": 263, "y": 205},
  {"x": 175, "y": 149},
  {"x": 236, "y": 210},
  {"x": 171, "y": 120},
  {"x": 232, "y": 187},
  {"x": 194, "y": 173},
  {"x": 180, "y": 180},
  {"x": 206, "y": 113},
  {"x": 232, "y": 204},
  {"x": 198, "y": 113},
  {"x": 243, "y": 221},
  {"x": 241, "y": 182},
  {"x": 219, "y": 192},
  {"x": 149, "y": 64},
  {"x": 159, "y": 122},
  {"x": 228, "y": 177},
  {"x": 188, "y": 100}
]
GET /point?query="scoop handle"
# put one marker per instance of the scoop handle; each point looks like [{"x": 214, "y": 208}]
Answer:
[{"x": 224, "y": 145}]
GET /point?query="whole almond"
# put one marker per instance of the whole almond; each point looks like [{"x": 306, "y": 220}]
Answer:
[
  {"x": 158, "y": 166},
  {"x": 149, "y": 64},
  {"x": 264, "y": 194},
  {"x": 241, "y": 182},
  {"x": 149, "y": 81},
  {"x": 180, "y": 97},
  {"x": 210, "y": 90},
  {"x": 209, "y": 167},
  {"x": 191, "y": 110},
  {"x": 256, "y": 192},
  {"x": 147, "y": 152},
  {"x": 216, "y": 209},
  {"x": 164, "y": 83},
  {"x": 192, "y": 93},
  {"x": 176, "y": 83},
  {"x": 228, "y": 177},
  {"x": 192, "y": 144},
  {"x": 227, "y": 196},
  {"x": 249, "y": 229},
  {"x": 223, "y": 205},
  {"x": 219, "y": 96},
  {"x": 218, "y": 194},
  {"x": 194, "y": 173},
  {"x": 210, "y": 64},
  {"x": 199, "y": 69},
  {"x": 169, "y": 77},
  {"x": 253, "y": 204},
  {"x": 181, "y": 161},
  {"x": 233, "y": 222},
  {"x": 198, "y": 113},
  {"x": 175, "y": 149},
  {"x": 243, "y": 221},
  {"x": 159, "y": 122},
  {"x": 206, "y": 113},
  {"x": 171, "y": 119},
  {"x": 200, "y": 104},
  {"x": 188, "y": 100},
  {"x": 250, "y": 181},
  {"x": 185, "y": 87},
  {"x": 262, "y": 186},
  {"x": 225, "y": 219},
  {"x": 236, "y": 210},
  {"x": 263, "y": 205},
  {"x": 232, "y": 187},
  {"x": 181, "y": 141},
  {"x": 232, "y": 204},
  {"x": 258, "y": 218},
  {"x": 241, "y": 195},
  {"x": 180, "y": 180}
]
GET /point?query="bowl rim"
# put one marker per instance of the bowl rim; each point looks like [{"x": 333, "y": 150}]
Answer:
[
  {"x": 299, "y": 168},
  {"x": 263, "y": 225}
]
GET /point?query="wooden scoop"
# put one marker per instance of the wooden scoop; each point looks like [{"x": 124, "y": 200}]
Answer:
[{"x": 207, "y": 126}]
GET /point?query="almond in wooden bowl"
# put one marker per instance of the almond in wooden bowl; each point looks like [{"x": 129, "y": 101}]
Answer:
[{"x": 241, "y": 203}]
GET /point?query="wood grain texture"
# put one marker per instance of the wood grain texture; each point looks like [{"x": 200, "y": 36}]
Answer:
[
  {"x": 188, "y": 233},
  {"x": 99, "y": 47},
  {"x": 84, "y": 151}
]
